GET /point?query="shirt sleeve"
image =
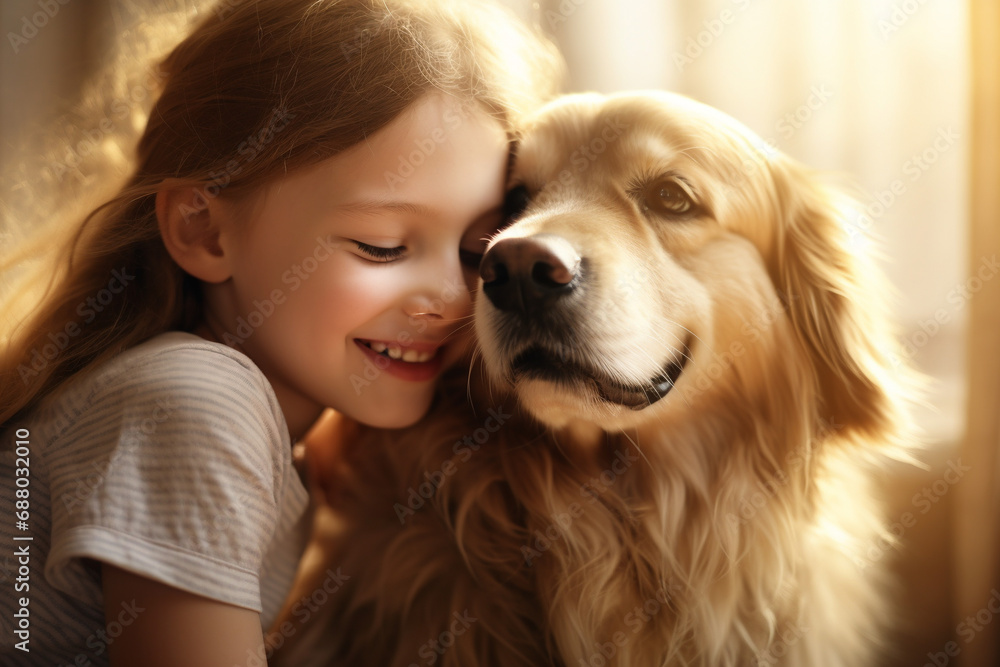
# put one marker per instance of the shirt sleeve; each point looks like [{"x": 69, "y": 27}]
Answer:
[{"x": 172, "y": 471}]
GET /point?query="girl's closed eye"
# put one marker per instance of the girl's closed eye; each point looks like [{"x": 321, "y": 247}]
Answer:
[{"x": 378, "y": 254}]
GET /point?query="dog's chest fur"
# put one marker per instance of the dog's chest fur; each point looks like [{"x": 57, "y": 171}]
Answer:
[{"x": 483, "y": 540}]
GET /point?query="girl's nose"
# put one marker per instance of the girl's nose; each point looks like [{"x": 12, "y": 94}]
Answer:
[
  {"x": 423, "y": 308},
  {"x": 443, "y": 298}
]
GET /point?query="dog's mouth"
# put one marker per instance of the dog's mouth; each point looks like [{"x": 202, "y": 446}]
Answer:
[{"x": 538, "y": 363}]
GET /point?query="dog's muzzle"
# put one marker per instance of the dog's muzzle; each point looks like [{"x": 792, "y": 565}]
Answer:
[{"x": 533, "y": 281}]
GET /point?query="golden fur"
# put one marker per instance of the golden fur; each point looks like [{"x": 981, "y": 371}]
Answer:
[{"x": 723, "y": 524}]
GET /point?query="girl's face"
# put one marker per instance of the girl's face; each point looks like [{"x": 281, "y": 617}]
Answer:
[{"x": 351, "y": 279}]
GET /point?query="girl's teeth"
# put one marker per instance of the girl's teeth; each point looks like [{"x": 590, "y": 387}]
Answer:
[
  {"x": 396, "y": 352},
  {"x": 415, "y": 357},
  {"x": 421, "y": 357}
]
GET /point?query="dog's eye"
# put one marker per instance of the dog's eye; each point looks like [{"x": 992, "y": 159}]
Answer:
[
  {"x": 669, "y": 197},
  {"x": 514, "y": 203}
]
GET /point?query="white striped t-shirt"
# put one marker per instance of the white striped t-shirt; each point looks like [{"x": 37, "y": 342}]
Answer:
[{"x": 172, "y": 461}]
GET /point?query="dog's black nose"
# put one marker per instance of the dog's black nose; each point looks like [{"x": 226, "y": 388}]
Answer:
[{"x": 526, "y": 274}]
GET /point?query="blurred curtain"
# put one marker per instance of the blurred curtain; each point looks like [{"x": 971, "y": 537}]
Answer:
[
  {"x": 978, "y": 516},
  {"x": 44, "y": 61}
]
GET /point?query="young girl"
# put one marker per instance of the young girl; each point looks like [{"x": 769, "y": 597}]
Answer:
[{"x": 305, "y": 215}]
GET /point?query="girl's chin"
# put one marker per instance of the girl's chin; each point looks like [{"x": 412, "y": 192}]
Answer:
[{"x": 389, "y": 411}]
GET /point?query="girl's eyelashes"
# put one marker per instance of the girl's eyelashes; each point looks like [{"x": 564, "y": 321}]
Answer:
[
  {"x": 468, "y": 258},
  {"x": 378, "y": 254}
]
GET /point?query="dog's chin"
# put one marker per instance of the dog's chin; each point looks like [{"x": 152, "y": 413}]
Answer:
[
  {"x": 535, "y": 363},
  {"x": 557, "y": 391}
]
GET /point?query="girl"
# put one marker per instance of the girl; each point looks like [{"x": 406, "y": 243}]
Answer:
[{"x": 304, "y": 218}]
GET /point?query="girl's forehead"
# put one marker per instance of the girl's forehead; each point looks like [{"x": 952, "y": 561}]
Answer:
[
  {"x": 434, "y": 118},
  {"x": 439, "y": 152},
  {"x": 434, "y": 126}
]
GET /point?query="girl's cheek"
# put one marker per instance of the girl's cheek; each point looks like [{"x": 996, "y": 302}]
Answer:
[{"x": 347, "y": 289}]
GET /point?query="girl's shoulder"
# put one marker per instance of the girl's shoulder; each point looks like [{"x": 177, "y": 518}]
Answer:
[
  {"x": 176, "y": 349},
  {"x": 171, "y": 460},
  {"x": 174, "y": 374}
]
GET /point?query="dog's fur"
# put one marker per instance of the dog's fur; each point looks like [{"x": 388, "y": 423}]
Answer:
[{"x": 728, "y": 522}]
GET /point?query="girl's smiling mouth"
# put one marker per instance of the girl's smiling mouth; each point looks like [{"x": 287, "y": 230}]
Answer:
[
  {"x": 416, "y": 362},
  {"x": 394, "y": 351}
]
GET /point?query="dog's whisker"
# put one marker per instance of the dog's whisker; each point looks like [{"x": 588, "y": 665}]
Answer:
[
  {"x": 638, "y": 449},
  {"x": 639, "y": 349},
  {"x": 470, "y": 321},
  {"x": 476, "y": 352},
  {"x": 690, "y": 333}
]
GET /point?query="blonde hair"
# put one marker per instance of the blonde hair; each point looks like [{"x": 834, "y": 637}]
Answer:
[{"x": 257, "y": 90}]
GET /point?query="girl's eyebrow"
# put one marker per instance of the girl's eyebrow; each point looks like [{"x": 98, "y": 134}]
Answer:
[{"x": 385, "y": 205}]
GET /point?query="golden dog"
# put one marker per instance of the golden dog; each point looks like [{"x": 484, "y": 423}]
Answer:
[{"x": 683, "y": 382}]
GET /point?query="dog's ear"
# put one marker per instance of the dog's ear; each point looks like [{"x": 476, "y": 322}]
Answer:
[{"x": 836, "y": 299}]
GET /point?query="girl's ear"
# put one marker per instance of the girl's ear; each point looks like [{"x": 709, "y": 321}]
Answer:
[{"x": 191, "y": 228}]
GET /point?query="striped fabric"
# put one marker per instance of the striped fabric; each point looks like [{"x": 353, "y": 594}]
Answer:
[{"x": 172, "y": 461}]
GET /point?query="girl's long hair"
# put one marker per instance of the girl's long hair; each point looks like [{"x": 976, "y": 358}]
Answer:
[{"x": 257, "y": 90}]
